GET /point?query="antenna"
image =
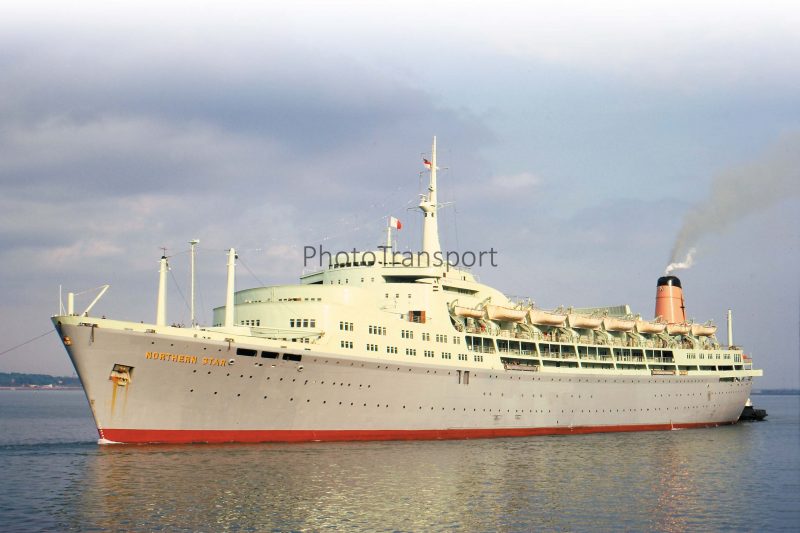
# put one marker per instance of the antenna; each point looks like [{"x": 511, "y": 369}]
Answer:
[{"x": 193, "y": 243}]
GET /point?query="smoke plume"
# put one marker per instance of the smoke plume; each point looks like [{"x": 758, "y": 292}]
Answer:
[
  {"x": 686, "y": 263},
  {"x": 738, "y": 192}
]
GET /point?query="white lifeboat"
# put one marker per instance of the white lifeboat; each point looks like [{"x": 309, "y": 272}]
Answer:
[
  {"x": 468, "y": 312},
  {"x": 643, "y": 326},
  {"x": 505, "y": 314},
  {"x": 584, "y": 321},
  {"x": 679, "y": 329},
  {"x": 618, "y": 324},
  {"x": 546, "y": 318},
  {"x": 703, "y": 330}
]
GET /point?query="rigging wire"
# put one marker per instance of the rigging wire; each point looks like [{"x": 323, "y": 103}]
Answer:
[
  {"x": 174, "y": 279},
  {"x": 241, "y": 261},
  {"x": 48, "y": 332}
]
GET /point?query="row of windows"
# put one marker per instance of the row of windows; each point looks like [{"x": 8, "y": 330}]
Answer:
[
  {"x": 381, "y": 330},
  {"x": 302, "y": 323},
  {"x": 299, "y": 299},
  {"x": 410, "y": 351},
  {"x": 249, "y": 352},
  {"x": 353, "y": 264},
  {"x": 256, "y": 322}
]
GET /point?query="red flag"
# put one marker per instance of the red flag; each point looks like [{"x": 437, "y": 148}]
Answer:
[
  {"x": 426, "y": 163},
  {"x": 394, "y": 223}
]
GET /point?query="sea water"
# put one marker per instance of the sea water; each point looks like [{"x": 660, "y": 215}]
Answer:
[{"x": 54, "y": 476}]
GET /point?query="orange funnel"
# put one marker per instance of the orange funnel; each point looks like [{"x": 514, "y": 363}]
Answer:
[{"x": 669, "y": 300}]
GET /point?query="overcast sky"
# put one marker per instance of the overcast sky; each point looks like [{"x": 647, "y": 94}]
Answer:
[{"x": 584, "y": 141}]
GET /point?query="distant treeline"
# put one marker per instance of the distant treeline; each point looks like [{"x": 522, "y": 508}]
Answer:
[
  {"x": 778, "y": 392},
  {"x": 15, "y": 379}
]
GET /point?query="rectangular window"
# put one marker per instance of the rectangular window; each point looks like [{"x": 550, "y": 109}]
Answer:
[
  {"x": 416, "y": 316},
  {"x": 291, "y": 322},
  {"x": 270, "y": 355},
  {"x": 292, "y": 357},
  {"x": 446, "y": 355},
  {"x": 246, "y": 351}
]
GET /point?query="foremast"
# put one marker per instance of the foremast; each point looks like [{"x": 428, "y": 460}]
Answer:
[{"x": 428, "y": 204}]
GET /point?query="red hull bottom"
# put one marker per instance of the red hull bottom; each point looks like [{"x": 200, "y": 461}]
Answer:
[{"x": 185, "y": 436}]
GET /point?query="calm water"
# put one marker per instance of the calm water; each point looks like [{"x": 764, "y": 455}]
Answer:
[{"x": 55, "y": 477}]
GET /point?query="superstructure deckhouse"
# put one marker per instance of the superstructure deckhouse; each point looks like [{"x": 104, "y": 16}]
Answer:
[{"x": 383, "y": 345}]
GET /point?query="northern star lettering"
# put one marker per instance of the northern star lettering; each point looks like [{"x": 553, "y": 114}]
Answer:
[{"x": 171, "y": 357}]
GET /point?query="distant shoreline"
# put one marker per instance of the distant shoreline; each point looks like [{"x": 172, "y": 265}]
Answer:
[
  {"x": 24, "y": 381},
  {"x": 38, "y": 388}
]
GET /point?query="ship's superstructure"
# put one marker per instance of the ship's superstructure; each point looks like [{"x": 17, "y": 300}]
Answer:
[{"x": 384, "y": 345}]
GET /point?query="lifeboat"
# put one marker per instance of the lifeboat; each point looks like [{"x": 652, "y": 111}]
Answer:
[
  {"x": 505, "y": 314},
  {"x": 700, "y": 330},
  {"x": 618, "y": 324},
  {"x": 546, "y": 318},
  {"x": 679, "y": 329},
  {"x": 643, "y": 326},
  {"x": 584, "y": 321},
  {"x": 468, "y": 312}
]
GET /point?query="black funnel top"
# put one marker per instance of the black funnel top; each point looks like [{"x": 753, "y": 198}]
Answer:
[{"x": 669, "y": 280}]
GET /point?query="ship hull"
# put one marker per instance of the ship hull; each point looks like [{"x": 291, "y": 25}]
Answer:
[
  {"x": 193, "y": 389},
  {"x": 188, "y": 436}
]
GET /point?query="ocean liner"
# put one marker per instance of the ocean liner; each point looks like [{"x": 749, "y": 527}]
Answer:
[{"x": 379, "y": 345}]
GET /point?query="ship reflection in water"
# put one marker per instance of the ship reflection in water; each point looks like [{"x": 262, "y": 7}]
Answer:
[{"x": 668, "y": 481}]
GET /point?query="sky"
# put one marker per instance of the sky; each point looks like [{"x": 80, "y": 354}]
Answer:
[{"x": 591, "y": 144}]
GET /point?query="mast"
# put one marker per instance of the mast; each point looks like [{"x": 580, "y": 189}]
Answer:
[
  {"x": 428, "y": 205},
  {"x": 161, "y": 304},
  {"x": 229, "y": 293},
  {"x": 730, "y": 329},
  {"x": 193, "y": 243}
]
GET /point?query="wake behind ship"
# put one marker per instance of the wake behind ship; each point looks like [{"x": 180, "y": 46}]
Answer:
[{"x": 377, "y": 346}]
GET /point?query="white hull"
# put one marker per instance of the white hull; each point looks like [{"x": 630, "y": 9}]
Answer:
[{"x": 335, "y": 397}]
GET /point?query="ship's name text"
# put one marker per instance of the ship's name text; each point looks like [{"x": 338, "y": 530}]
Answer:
[{"x": 185, "y": 359}]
